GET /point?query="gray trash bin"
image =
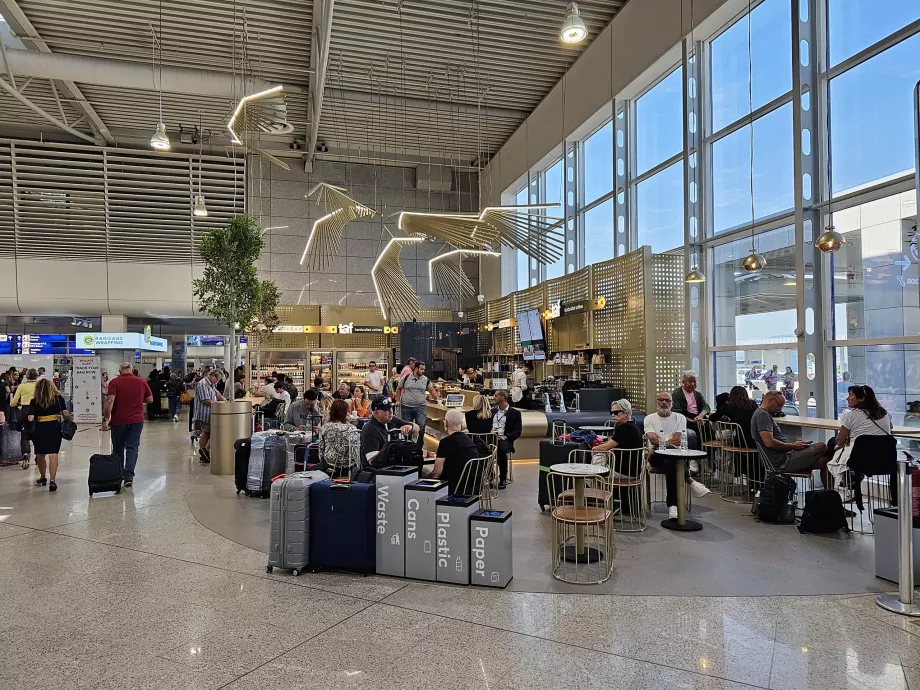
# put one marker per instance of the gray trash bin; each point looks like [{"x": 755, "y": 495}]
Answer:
[
  {"x": 886, "y": 545},
  {"x": 453, "y": 537},
  {"x": 391, "y": 518},
  {"x": 490, "y": 548},
  {"x": 421, "y": 527}
]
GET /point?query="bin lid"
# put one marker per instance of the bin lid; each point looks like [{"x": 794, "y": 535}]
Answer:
[
  {"x": 231, "y": 407},
  {"x": 458, "y": 501},
  {"x": 488, "y": 515},
  {"x": 397, "y": 470},
  {"x": 426, "y": 485}
]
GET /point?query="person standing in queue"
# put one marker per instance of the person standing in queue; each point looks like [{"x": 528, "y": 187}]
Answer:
[
  {"x": 124, "y": 415},
  {"x": 507, "y": 427},
  {"x": 205, "y": 395},
  {"x": 411, "y": 398},
  {"x": 519, "y": 384},
  {"x": 23, "y": 397}
]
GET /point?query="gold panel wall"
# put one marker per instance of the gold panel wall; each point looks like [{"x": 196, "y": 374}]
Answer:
[
  {"x": 290, "y": 315},
  {"x": 574, "y": 287},
  {"x": 363, "y": 316},
  {"x": 669, "y": 294}
]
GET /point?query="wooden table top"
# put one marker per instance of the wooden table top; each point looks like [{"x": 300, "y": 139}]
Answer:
[{"x": 834, "y": 424}]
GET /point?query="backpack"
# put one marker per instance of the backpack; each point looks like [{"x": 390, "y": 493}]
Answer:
[
  {"x": 398, "y": 453},
  {"x": 776, "y": 497},
  {"x": 823, "y": 513}
]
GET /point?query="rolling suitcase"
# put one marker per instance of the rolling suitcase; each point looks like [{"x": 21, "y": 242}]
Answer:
[
  {"x": 105, "y": 474},
  {"x": 551, "y": 453},
  {"x": 293, "y": 440},
  {"x": 306, "y": 457},
  {"x": 289, "y": 525},
  {"x": 242, "y": 448},
  {"x": 269, "y": 463},
  {"x": 10, "y": 445},
  {"x": 342, "y": 517}
]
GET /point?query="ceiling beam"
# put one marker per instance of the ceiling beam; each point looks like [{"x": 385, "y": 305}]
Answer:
[
  {"x": 22, "y": 27},
  {"x": 319, "y": 61}
]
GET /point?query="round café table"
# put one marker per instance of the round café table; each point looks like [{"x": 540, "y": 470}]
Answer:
[
  {"x": 582, "y": 472},
  {"x": 681, "y": 523}
]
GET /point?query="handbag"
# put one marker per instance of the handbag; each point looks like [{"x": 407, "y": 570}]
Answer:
[
  {"x": 68, "y": 429},
  {"x": 185, "y": 398}
]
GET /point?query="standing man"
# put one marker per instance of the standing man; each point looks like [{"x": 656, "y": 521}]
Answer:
[
  {"x": 205, "y": 395},
  {"x": 771, "y": 377},
  {"x": 519, "y": 384},
  {"x": 506, "y": 425},
  {"x": 374, "y": 382},
  {"x": 123, "y": 413},
  {"x": 411, "y": 398},
  {"x": 751, "y": 376}
]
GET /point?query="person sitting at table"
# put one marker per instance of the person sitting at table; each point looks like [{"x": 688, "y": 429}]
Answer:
[
  {"x": 626, "y": 436},
  {"x": 303, "y": 414},
  {"x": 454, "y": 451},
  {"x": 343, "y": 392},
  {"x": 474, "y": 376},
  {"x": 864, "y": 416},
  {"x": 359, "y": 405},
  {"x": 785, "y": 457},
  {"x": 382, "y": 427},
  {"x": 461, "y": 376},
  {"x": 281, "y": 393},
  {"x": 689, "y": 402},
  {"x": 739, "y": 410},
  {"x": 479, "y": 419},
  {"x": 670, "y": 426},
  {"x": 267, "y": 390},
  {"x": 318, "y": 387},
  {"x": 507, "y": 427},
  {"x": 339, "y": 443}
]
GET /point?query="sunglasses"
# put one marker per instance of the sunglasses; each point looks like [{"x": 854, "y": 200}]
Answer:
[{"x": 614, "y": 413}]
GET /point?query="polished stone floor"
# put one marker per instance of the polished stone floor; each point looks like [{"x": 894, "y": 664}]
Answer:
[{"x": 132, "y": 591}]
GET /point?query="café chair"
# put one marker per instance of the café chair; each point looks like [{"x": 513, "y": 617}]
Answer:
[
  {"x": 712, "y": 444},
  {"x": 478, "y": 479},
  {"x": 560, "y": 428},
  {"x": 741, "y": 469},
  {"x": 584, "y": 534},
  {"x": 873, "y": 462},
  {"x": 630, "y": 491},
  {"x": 808, "y": 478}
]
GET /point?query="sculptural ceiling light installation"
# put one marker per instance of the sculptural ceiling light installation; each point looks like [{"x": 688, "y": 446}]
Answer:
[
  {"x": 325, "y": 238},
  {"x": 518, "y": 227},
  {"x": 398, "y": 301},
  {"x": 259, "y": 113},
  {"x": 446, "y": 276}
]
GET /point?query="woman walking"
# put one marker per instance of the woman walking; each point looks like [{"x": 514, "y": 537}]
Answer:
[{"x": 45, "y": 411}]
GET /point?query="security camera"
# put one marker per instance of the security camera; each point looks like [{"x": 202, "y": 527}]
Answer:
[
  {"x": 480, "y": 298},
  {"x": 459, "y": 314}
]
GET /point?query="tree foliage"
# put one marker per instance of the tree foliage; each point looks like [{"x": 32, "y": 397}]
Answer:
[{"x": 230, "y": 289}]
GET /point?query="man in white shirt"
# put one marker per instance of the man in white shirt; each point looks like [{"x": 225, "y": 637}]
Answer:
[
  {"x": 268, "y": 388},
  {"x": 374, "y": 381},
  {"x": 282, "y": 394},
  {"x": 664, "y": 422},
  {"x": 519, "y": 384}
]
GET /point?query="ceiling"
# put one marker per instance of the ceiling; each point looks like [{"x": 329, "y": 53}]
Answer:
[{"x": 404, "y": 80}]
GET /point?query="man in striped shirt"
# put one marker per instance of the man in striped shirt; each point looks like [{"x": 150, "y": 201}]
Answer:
[{"x": 205, "y": 394}]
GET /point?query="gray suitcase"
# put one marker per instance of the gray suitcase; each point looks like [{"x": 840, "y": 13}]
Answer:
[
  {"x": 289, "y": 535},
  {"x": 271, "y": 462},
  {"x": 292, "y": 440}
]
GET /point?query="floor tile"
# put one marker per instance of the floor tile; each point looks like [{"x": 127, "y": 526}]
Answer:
[{"x": 802, "y": 668}]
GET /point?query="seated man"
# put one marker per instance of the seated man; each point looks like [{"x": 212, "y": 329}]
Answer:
[
  {"x": 689, "y": 402},
  {"x": 626, "y": 436},
  {"x": 454, "y": 451},
  {"x": 507, "y": 427},
  {"x": 382, "y": 427},
  {"x": 665, "y": 426},
  {"x": 267, "y": 390},
  {"x": 282, "y": 395},
  {"x": 303, "y": 414},
  {"x": 799, "y": 456}
]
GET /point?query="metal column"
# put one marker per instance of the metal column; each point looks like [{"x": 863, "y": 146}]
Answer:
[
  {"x": 623, "y": 228},
  {"x": 810, "y": 264},
  {"x": 533, "y": 197},
  {"x": 574, "y": 251}
]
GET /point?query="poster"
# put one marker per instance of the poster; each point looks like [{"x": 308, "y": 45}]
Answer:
[
  {"x": 178, "y": 357},
  {"x": 87, "y": 390}
]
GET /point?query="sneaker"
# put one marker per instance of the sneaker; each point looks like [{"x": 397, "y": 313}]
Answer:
[
  {"x": 129, "y": 482},
  {"x": 698, "y": 489},
  {"x": 175, "y": 418},
  {"x": 41, "y": 481},
  {"x": 694, "y": 467},
  {"x": 203, "y": 455},
  {"x": 672, "y": 512},
  {"x": 52, "y": 487}
]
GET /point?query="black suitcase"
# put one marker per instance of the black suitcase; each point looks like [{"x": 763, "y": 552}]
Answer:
[
  {"x": 241, "y": 462},
  {"x": 105, "y": 474},
  {"x": 306, "y": 457},
  {"x": 343, "y": 536},
  {"x": 552, "y": 454}
]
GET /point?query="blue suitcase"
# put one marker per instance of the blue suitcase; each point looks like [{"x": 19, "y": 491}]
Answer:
[{"x": 342, "y": 535}]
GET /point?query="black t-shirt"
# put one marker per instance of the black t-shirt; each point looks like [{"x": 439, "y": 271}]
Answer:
[
  {"x": 628, "y": 436},
  {"x": 456, "y": 449}
]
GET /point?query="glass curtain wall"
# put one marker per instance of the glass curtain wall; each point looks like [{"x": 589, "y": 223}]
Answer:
[{"x": 596, "y": 216}]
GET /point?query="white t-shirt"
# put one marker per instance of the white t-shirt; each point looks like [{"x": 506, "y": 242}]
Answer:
[
  {"x": 671, "y": 424},
  {"x": 375, "y": 381},
  {"x": 268, "y": 391},
  {"x": 284, "y": 396},
  {"x": 859, "y": 424}
]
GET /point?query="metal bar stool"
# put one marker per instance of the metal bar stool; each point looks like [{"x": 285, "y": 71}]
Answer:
[
  {"x": 712, "y": 444},
  {"x": 583, "y": 547},
  {"x": 807, "y": 477},
  {"x": 490, "y": 440},
  {"x": 741, "y": 470}
]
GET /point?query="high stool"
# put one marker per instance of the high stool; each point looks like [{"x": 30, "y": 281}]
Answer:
[
  {"x": 738, "y": 463},
  {"x": 583, "y": 533},
  {"x": 712, "y": 444}
]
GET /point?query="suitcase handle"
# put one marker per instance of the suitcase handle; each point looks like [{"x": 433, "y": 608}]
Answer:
[
  {"x": 280, "y": 476},
  {"x": 340, "y": 487}
]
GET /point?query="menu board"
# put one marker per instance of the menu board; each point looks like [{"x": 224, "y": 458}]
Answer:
[{"x": 530, "y": 330}]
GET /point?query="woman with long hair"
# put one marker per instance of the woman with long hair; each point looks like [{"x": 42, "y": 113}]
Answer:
[
  {"x": 739, "y": 409},
  {"x": 45, "y": 411},
  {"x": 359, "y": 405},
  {"x": 339, "y": 442},
  {"x": 479, "y": 419},
  {"x": 864, "y": 416}
]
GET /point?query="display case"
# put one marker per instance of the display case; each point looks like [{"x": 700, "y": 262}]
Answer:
[
  {"x": 351, "y": 365},
  {"x": 291, "y": 364},
  {"x": 321, "y": 365}
]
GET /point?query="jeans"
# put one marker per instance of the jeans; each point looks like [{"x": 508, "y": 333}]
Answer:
[
  {"x": 126, "y": 439},
  {"x": 418, "y": 415},
  {"x": 668, "y": 465},
  {"x": 175, "y": 406},
  {"x": 504, "y": 447}
]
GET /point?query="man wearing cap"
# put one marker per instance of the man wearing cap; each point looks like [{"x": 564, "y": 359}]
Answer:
[{"x": 382, "y": 427}]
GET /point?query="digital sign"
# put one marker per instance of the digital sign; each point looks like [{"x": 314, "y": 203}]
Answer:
[{"x": 44, "y": 344}]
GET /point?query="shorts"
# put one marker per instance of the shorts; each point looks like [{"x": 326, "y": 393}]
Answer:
[
  {"x": 803, "y": 460},
  {"x": 203, "y": 427}
]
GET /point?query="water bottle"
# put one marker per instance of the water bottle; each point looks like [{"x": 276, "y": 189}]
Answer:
[
  {"x": 661, "y": 440},
  {"x": 683, "y": 440}
]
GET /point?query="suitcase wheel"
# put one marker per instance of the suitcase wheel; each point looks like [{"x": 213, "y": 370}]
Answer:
[
  {"x": 268, "y": 569},
  {"x": 295, "y": 572},
  {"x": 118, "y": 490}
]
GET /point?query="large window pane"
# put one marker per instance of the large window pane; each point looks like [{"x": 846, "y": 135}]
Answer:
[
  {"x": 773, "y": 171},
  {"x": 521, "y": 261},
  {"x": 731, "y": 368},
  {"x": 755, "y": 308},
  {"x": 875, "y": 287},
  {"x": 598, "y": 150},
  {"x": 856, "y": 24},
  {"x": 771, "y": 64},
  {"x": 893, "y": 371},
  {"x": 660, "y": 209},
  {"x": 872, "y": 125},
  {"x": 598, "y": 224},
  {"x": 552, "y": 182},
  {"x": 659, "y": 122}
]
